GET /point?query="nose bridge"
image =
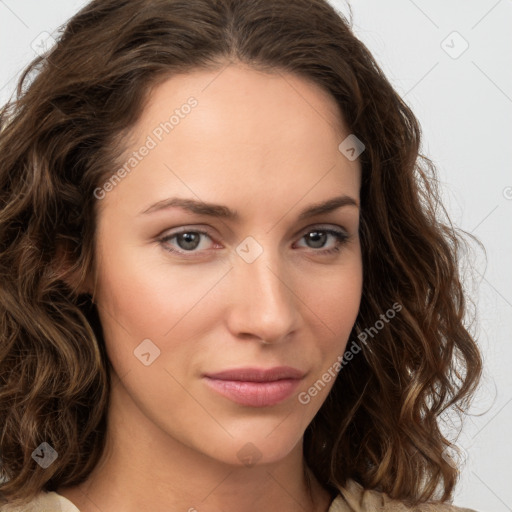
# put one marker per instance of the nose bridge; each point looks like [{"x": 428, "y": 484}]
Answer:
[{"x": 265, "y": 305}]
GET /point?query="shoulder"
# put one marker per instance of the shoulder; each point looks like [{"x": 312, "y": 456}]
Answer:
[
  {"x": 43, "y": 502},
  {"x": 354, "y": 498}
]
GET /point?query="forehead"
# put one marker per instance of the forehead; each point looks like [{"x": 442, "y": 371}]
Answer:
[
  {"x": 235, "y": 84},
  {"x": 246, "y": 109},
  {"x": 239, "y": 130}
]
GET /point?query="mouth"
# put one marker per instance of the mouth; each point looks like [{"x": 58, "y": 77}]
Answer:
[{"x": 254, "y": 387}]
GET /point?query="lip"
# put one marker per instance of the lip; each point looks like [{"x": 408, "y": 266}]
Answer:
[{"x": 255, "y": 387}]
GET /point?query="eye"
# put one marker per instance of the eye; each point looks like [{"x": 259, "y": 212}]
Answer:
[
  {"x": 318, "y": 236},
  {"x": 188, "y": 240}
]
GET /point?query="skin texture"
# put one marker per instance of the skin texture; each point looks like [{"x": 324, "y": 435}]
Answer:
[{"x": 265, "y": 145}]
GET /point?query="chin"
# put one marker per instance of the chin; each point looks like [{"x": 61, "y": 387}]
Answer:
[{"x": 255, "y": 450}]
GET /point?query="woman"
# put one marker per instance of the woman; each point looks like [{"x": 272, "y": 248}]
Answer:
[{"x": 224, "y": 284}]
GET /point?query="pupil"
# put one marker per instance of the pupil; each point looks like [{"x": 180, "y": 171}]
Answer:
[
  {"x": 316, "y": 236},
  {"x": 189, "y": 242}
]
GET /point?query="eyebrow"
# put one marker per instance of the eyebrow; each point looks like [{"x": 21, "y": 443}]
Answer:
[{"x": 223, "y": 212}]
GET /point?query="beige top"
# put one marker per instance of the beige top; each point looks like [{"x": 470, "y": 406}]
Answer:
[{"x": 353, "y": 498}]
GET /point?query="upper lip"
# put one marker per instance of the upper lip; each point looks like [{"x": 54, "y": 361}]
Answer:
[{"x": 258, "y": 374}]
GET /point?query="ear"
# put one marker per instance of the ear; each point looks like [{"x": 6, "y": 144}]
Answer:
[{"x": 62, "y": 269}]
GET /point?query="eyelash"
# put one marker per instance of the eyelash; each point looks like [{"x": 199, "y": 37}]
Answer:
[{"x": 340, "y": 236}]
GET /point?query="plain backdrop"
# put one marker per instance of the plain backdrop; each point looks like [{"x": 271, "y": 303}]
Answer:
[{"x": 451, "y": 62}]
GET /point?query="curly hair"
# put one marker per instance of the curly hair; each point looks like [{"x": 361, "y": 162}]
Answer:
[{"x": 60, "y": 137}]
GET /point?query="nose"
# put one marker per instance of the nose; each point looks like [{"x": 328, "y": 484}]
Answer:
[{"x": 264, "y": 304}]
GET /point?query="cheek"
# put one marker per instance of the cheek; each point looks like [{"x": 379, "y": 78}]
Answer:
[
  {"x": 333, "y": 304},
  {"x": 141, "y": 296},
  {"x": 334, "y": 309},
  {"x": 335, "y": 298},
  {"x": 138, "y": 286},
  {"x": 340, "y": 296}
]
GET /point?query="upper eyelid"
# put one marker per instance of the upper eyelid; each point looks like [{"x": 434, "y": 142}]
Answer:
[
  {"x": 194, "y": 229},
  {"x": 205, "y": 230}
]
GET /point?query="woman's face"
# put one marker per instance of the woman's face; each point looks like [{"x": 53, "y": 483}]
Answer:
[{"x": 266, "y": 288}]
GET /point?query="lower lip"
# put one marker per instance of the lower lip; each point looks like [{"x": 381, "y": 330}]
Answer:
[{"x": 254, "y": 394}]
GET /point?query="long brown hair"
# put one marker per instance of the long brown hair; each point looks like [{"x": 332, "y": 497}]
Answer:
[{"x": 59, "y": 139}]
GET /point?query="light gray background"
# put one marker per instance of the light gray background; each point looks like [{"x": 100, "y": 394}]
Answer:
[{"x": 464, "y": 105}]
